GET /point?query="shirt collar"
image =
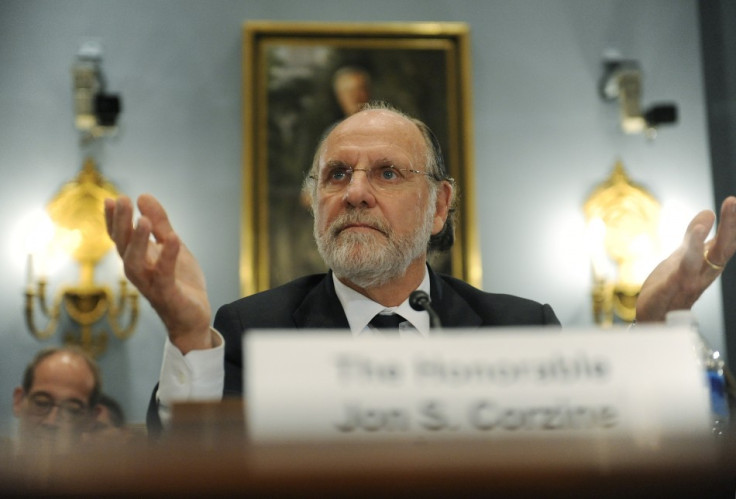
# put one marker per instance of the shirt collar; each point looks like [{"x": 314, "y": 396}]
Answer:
[{"x": 360, "y": 309}]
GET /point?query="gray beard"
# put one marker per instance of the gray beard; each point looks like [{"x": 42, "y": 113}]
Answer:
[{"x": 375, "y": 258}]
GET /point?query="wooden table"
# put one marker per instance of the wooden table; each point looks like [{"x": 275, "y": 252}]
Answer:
[{"x": 206, "y": 459}]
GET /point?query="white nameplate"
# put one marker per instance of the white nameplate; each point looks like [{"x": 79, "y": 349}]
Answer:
[{"x": 644, "y": 385}]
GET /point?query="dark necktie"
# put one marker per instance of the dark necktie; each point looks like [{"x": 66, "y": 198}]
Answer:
[{"x": 388, "y": 325}]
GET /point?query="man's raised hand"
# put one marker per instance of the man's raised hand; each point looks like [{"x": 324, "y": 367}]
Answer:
[{"x": 163, "y": 270}]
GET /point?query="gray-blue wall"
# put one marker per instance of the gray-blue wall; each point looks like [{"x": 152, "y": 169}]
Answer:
[{"x": 543, "y": 136}]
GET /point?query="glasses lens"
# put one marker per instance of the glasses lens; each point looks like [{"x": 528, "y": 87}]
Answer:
[
  {"x": 41, "y": 405},
  {"x": 72, "y": 410}
]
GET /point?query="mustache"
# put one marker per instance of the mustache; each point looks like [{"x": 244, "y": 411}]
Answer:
[{"x": 350, "y": 218}]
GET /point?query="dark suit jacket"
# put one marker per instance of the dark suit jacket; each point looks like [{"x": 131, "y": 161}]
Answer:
[{"x": 311, "y": 302}]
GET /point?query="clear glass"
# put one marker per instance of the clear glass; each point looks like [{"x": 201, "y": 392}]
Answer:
[{"x": 714, "y": 368}]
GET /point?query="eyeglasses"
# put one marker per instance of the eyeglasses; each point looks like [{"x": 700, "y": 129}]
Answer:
[
  {"x": 385, "y": 177},
  {"x": 41, "y": 404}
]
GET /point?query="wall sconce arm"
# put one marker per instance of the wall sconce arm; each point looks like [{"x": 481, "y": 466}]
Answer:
[
  {"x": 117, "y": 311},
  {"x": 51, "y": 314}
]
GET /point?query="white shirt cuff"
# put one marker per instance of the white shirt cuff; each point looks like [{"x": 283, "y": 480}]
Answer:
[{"x": 197, "y": 376}]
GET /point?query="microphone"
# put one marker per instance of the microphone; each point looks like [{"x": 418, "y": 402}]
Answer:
[{"x": 419, "y": 300}]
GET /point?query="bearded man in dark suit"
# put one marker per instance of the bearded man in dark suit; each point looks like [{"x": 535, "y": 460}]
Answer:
[{"x": 381, "y": 199}]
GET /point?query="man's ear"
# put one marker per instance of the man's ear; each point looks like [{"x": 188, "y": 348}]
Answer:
[
  {"x": 442, "y": 206},
  {"x": 18, "y": 395}
]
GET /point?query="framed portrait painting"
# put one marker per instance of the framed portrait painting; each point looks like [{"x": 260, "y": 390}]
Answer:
[{"x": 299, "y": 79}]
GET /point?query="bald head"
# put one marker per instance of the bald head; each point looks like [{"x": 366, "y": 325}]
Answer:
[{"x": 55, "y": 401}]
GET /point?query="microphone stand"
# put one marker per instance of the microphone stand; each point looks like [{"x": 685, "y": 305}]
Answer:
[{"x": 419, "y": 300}]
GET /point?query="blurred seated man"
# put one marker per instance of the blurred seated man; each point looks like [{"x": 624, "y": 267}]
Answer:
[
  {"x": 56, "y": 401},
  {"x": 381, "y": 200}
]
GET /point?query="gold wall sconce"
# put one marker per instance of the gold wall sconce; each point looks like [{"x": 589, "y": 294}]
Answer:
[
  {"x": 623, "y": 239},
  {"x": 78, "y": 210}
]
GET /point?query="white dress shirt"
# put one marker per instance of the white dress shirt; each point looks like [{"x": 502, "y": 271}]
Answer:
[{"x": 360, "y": 309}]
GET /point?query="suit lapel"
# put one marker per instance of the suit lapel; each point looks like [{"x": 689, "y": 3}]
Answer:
[
  {"x": 321, "y": 308},
  {"x": 452, "y": 308}
]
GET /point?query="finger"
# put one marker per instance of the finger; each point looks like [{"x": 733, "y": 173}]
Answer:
[
  {"x": 723, "y": 246},
  {"x": 697, "y": 230},
  {"x": 136, "y": 253},
  {"x": 704, "y": 219},
  {"x": 109, "y": 213},
  {"x": 166, "y": 264},
  {"x": 152, "y": 209},
  {"x": 121, "y": 223},
  {"x": 694, "y": 243}
]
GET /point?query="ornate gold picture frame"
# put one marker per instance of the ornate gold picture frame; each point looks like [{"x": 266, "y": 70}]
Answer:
[{"x": 293, "y": 74}]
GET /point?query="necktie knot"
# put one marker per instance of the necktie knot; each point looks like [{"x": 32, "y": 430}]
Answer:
[{"x": 389, "y": 322}]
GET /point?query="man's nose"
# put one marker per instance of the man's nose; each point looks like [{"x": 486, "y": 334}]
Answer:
[
  {"x": 359, "y": 190},
  {"x": 53, "y": 418}
]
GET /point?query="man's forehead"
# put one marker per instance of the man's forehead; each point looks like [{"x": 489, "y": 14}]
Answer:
[
  {"x": 376, "y": 119},
  {"x": 374, "y": 132},
  {"x": 63, "y": 370},
  {"x": 62, "y": 360}
]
